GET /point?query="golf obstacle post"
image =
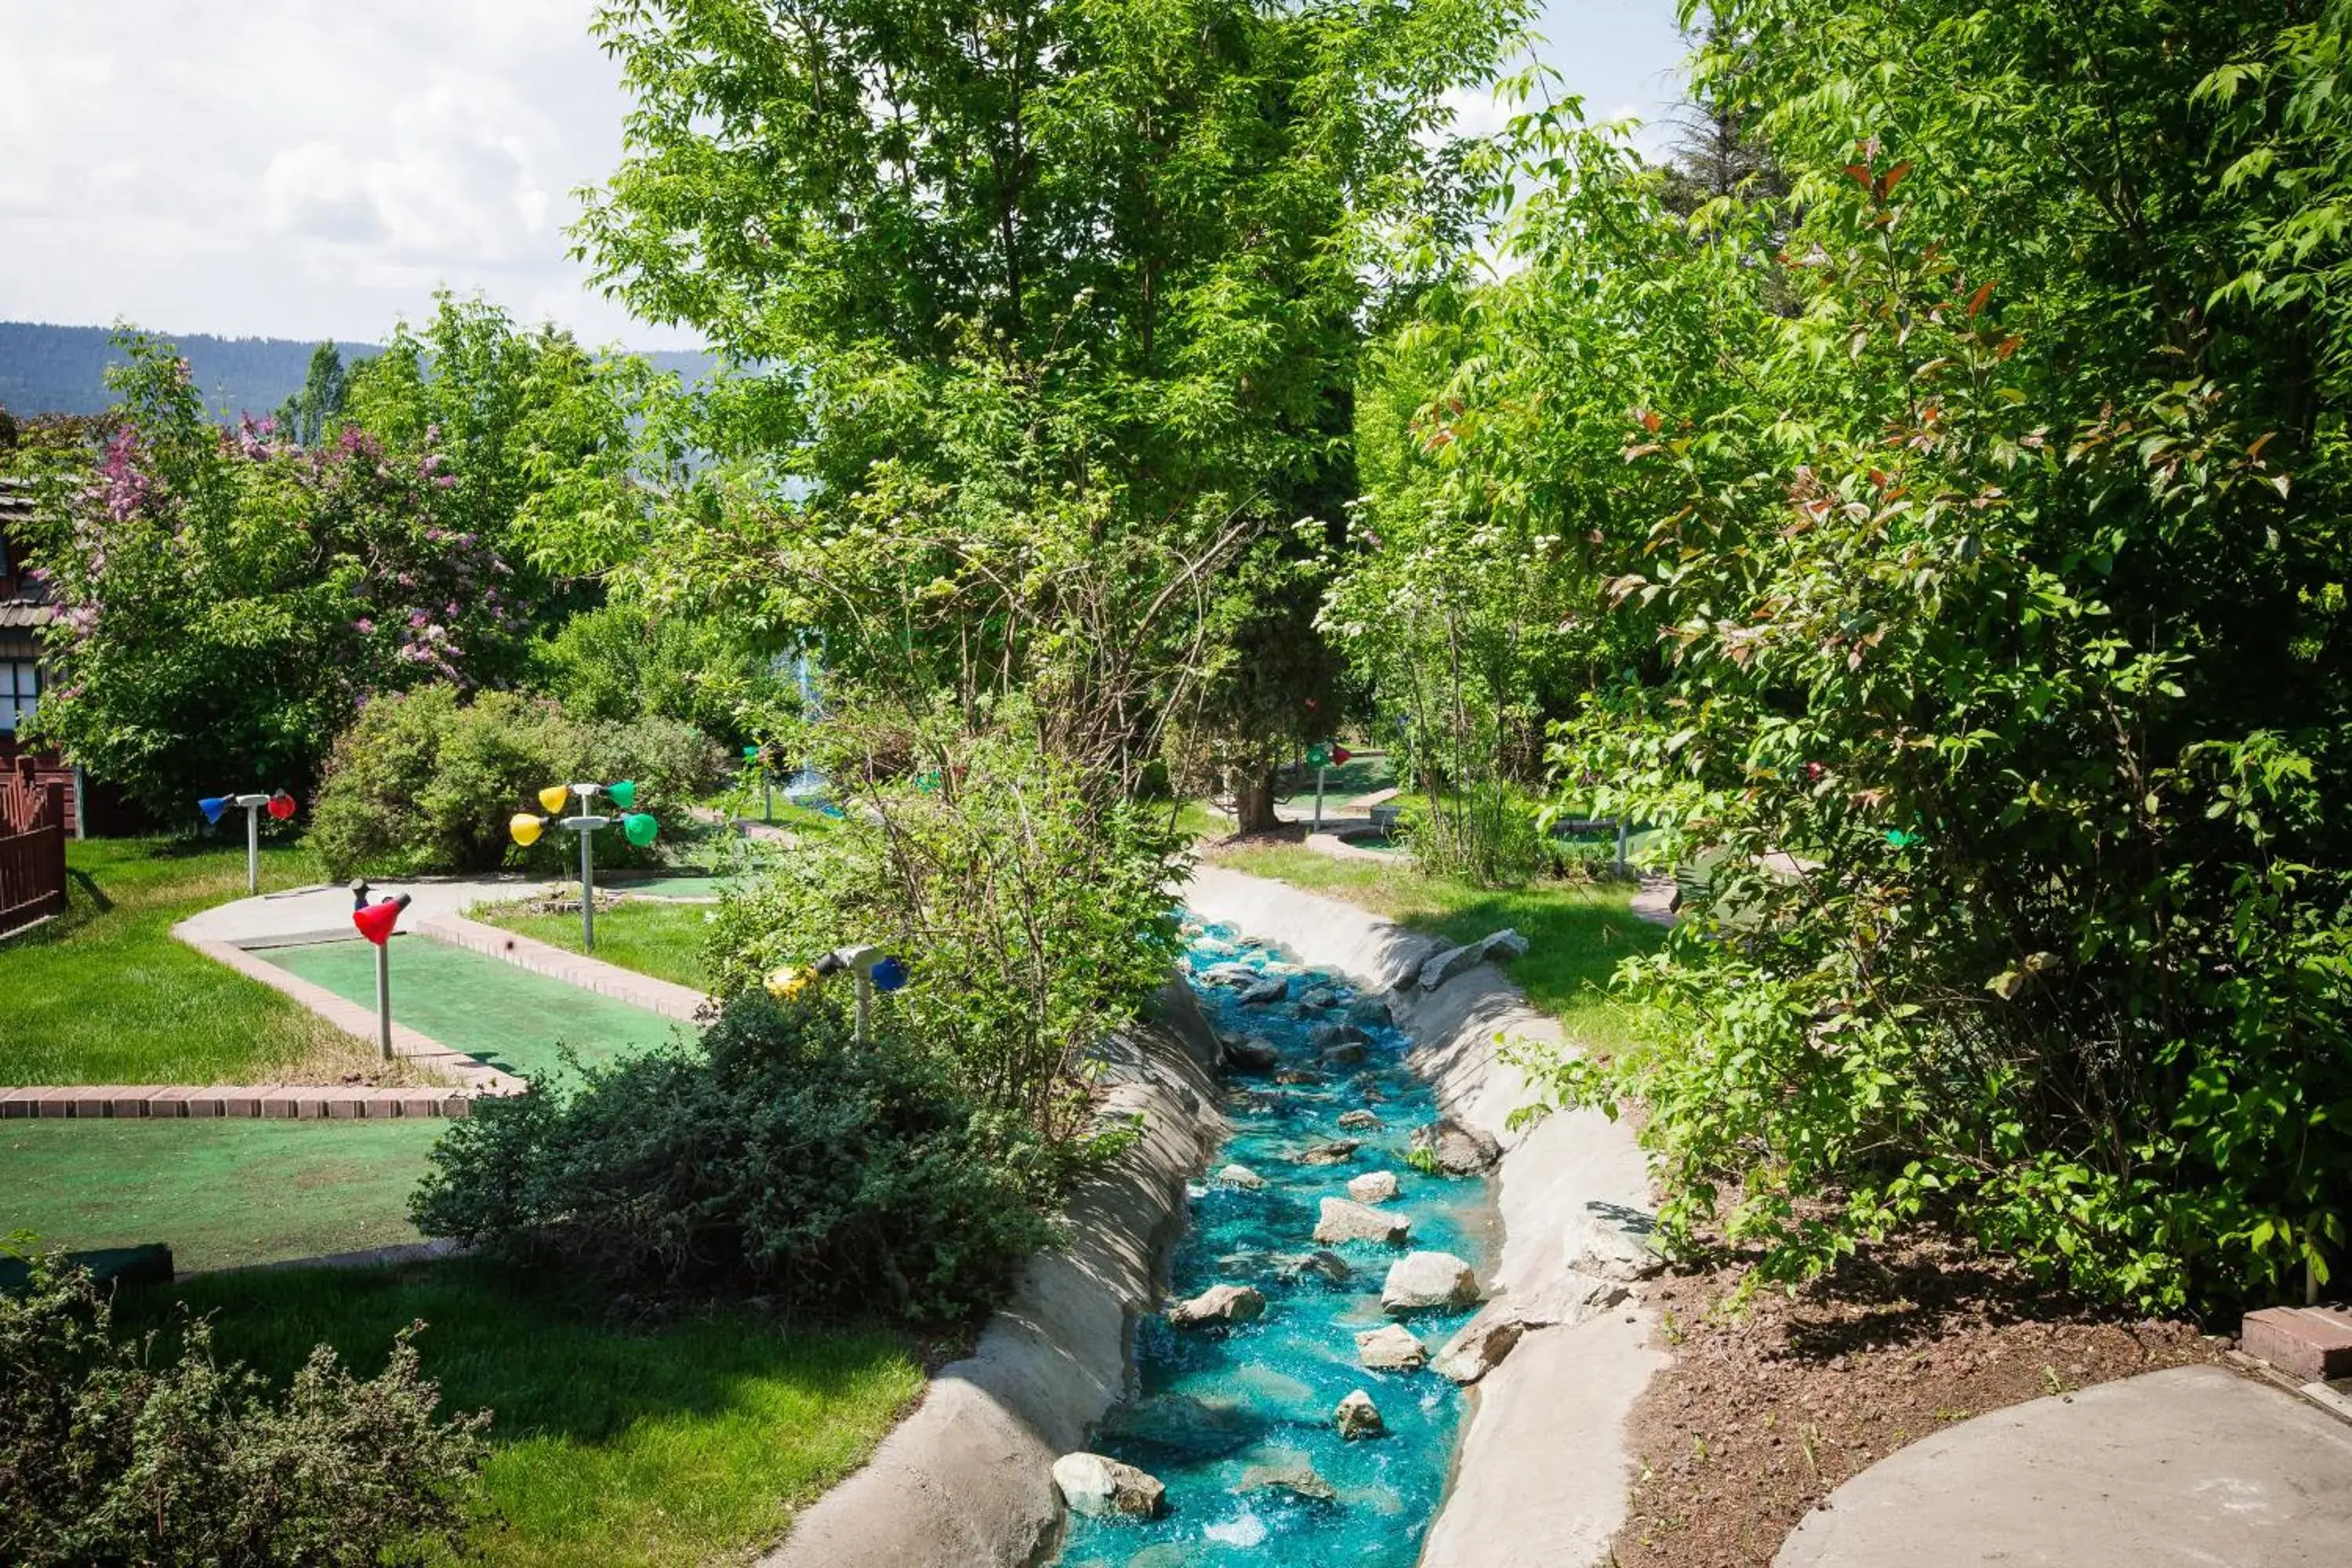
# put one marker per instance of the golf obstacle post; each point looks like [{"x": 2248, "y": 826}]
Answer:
[
  {"x": 278, "y": 803},
  {"x": 375, "y": 922},
  {"x": 638, "y": 827},
  {"x": 876, "y": 969},
  {"x": 1320, "y": 756}
]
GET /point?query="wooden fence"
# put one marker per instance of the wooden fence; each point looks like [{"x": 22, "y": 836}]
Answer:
[{"x": 32, "y": 848}]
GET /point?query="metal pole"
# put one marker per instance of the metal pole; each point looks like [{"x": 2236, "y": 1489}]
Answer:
[
  {"x": 587, "y": 894},
  {"x": 253, "y": 849},
  {"x": 865, "y": 1003},
  {"x": 1621, "y": 846},
  {"x": 384, "y": 999},
  {"x": 1319, "y": 800},
  {"x": 767, "y": 796}
]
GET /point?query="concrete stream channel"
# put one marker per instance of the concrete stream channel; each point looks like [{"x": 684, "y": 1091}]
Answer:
[{"x": 1524, "y": 1467}]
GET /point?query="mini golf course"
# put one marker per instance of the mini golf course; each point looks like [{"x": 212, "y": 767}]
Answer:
[
  {"x": 510, "y": 1018},
  {"x": 220, "y": 1193}
]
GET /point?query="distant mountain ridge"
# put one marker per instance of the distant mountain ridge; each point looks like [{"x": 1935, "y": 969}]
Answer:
[{"x": 47, "y": 369}]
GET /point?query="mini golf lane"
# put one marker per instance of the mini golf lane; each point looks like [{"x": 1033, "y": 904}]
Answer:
[
  {"x": 220, "y": 1193},
  {"x": 1239, "y": 1425},
  {"x": 495, "y": 1012}
]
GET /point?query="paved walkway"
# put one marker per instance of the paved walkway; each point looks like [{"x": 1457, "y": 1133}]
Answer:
[{"x": 2190, "y": 1467}]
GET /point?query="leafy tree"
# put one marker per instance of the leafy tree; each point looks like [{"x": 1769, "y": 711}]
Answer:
[
  {"x": 316, "y": 411},
  {"x": 1050, "y": 310}
]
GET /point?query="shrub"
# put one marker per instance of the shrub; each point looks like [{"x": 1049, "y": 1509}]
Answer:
[
  {"x": 1036, "y": 917},
  {"x": 777, "y": 1155},
  {"x": 426, "y": 781},
  {"x": 622, "y": 662},
  {"x": 111, "y": 1455}
]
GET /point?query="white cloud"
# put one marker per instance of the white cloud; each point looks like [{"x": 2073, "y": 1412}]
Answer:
[{"x": 313, "y": 168}]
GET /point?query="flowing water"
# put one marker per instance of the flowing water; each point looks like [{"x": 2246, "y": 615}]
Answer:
[{"x": 1238, "y": 1423}]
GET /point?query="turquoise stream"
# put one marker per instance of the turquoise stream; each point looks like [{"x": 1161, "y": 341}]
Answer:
[{"x": 1213, "y": 1407}]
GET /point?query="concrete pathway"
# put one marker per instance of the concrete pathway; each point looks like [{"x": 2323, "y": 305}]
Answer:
[{"x": 2190, "y": 1467}]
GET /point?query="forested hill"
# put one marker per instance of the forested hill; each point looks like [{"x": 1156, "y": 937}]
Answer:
[{"x": 47, "y": 369}]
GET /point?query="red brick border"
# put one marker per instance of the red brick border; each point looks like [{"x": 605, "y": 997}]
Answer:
[{"x": 286, "y": 1102}]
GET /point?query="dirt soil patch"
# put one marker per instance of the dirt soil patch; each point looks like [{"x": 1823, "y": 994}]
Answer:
[{"x": 1765, "y": 1411}]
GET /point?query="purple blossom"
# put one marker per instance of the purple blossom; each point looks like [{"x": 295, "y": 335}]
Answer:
[
  {"x": 363, "y": 626},
  {"x": 419, "y": 618}
]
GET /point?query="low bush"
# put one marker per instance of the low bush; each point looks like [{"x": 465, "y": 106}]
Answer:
[
  {"x": 620, "y": 662},
  {"x": 110, "y": 1454},
  {"x": 427, "y": 781},
  {"x": 776, "y": 1156}
]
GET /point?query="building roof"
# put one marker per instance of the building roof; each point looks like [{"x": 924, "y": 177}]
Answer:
[{"x": 27, "y": 604}]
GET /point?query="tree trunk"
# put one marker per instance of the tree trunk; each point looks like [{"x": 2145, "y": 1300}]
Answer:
[{"x": 1253, "y": 802}]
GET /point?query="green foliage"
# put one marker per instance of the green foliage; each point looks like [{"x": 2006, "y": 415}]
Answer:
[
  {"x": 617, "y": 663},
  {"x": 114, "y": 1455},
  {"x": 426, "y": 781},
  {"x": 1971, "y": 579},
  {"x": 1035, "y": 917},
  {"x": 316, "y": 411},
  {"x": 779, "y": 1156},
  {"x": 1055, "y": 309}
]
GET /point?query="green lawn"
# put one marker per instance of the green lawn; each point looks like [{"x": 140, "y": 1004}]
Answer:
[
  {"x": 1577, "y": 933},
  {"x": 664, "y": 941},
  {"x": 687, "y": 1445},
  {"x": 222, "y": 1193},
  {"x": 105, "y": 995},
  {"x": 490, "y": 1010}
]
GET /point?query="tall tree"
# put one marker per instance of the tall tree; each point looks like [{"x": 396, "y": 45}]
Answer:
[
  {"x": 316, "y": 409},
  {"x": 1049, "y": 312}
]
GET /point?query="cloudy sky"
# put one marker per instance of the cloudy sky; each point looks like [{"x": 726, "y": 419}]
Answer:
[{"x": 297, "y": 168}]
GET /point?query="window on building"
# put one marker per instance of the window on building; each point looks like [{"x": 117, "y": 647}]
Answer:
[{"x": 20, "y": 688}]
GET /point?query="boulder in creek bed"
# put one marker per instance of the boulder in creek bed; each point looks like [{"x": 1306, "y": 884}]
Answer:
[
  {"x": 1251, "y": 1054},
  {"x": 1264, "y": 992},
  {"x": 1357, "y": 1417},
  {"x": 1345, "y": 1054},
  {"x": 1455, "y": 1147},
  {"x": 1373, "y": 1187},
  {"x": 1092, "y": 1484},
  {"x": 1426, "y": 1282},
  {"x": 1371, "y": 1011},
  {"x": 1323, "y": 1037},
  {"x": 1218, "y": 1304},
  {"x": 1337, "y": 1152},
  {"x": 1299, "y": 1480},
  {"x": 1322, "y": 1264},
  {"x": 1479, "y": 1348},
  {"x": 1233, "y": 975},
  {"x": 1242, "y": 1176},
  {"x": 1392, "y": 1347},
  {"x": 1320, "y": 999},
  {"x": 1296, "y": 1076},
  {"x": 1453, "y": 961},
  {"x": 1359, "y": 1121},
  {"x": 1343, "y": 1220}
]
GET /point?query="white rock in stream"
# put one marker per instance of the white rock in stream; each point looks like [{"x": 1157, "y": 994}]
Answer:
[
  {"x": 1373, "y": 1187},
  {"x": 1357, "y": 1417},
  {"x": 1240, "y": 1176},
  {"x": 1392, "y": 1347},
  {"x": 1092, "y": 1484},
  {"x": 1426, "y": 1281},
  {"x": 1218, "y": 1304},
  {"x": 1343, "y": 1220}
]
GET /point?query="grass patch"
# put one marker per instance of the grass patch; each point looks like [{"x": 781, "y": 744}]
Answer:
[
  {"x": 664, "y": 941},
  {"x": 1577, "y": 933},
  {"x": 105, "y": 995},
  {"x": 490, "y": 1010},
  {"x": 691, "y": 1443},
  {"x": 222, "y": 1193}
]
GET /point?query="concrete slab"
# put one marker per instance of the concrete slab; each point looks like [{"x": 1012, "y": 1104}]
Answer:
[{"x": 2192, "y": 1467}]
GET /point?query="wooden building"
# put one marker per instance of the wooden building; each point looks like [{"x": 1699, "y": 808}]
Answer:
[{"x": 24, "y": 610}]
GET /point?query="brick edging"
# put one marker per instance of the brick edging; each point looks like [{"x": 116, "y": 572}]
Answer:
[
  {"x": 275, "y": 1101},
  {"x": 681, "y": 1003}
]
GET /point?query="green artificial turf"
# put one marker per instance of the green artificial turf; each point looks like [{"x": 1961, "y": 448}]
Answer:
[
  {"x": 490, "y": 1010},
  {"x": 689, "y": 1444},
  {"x": 1360, "y": 775},
  {"x": 105, "y": 993},
  {"x": 664, "y": 941},
  {"x": 221, "y": 1193},
  {"x": 1577, "y": 933}
]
